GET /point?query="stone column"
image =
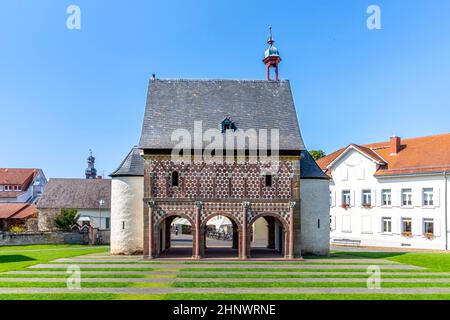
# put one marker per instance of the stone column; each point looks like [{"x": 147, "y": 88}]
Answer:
[
  {"x": 235, "y": 237},
  {"x": 244, "y": 244},
  {"x": 151, "y": 229},
  {"x": 270, "y": 232},
  {"x": 290, "y": 252},
  {"x": 197, "y": 244}
]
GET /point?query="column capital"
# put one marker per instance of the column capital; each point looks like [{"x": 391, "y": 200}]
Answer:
[
  {"x": 199, "y": 204},
  {"x": 292, "y": 204},
  {"x": 245, "y": 204},
  {"x": 150, "y": 204}
]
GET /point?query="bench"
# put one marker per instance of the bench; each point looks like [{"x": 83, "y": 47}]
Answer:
[{"x": 346, "y": 242}]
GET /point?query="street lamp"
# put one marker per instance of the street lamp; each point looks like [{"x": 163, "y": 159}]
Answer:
[{"x": 101, "y": 203}]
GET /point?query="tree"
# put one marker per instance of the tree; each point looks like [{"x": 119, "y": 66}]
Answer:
[
  {"x": 317, "y": 154},
  {"x": 66, "y": 219}
]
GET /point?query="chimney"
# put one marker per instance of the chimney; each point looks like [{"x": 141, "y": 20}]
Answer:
[{"x": 395, "y": 145}]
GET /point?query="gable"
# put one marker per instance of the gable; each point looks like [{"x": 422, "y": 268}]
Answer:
[{"x": 353, "y": 165}]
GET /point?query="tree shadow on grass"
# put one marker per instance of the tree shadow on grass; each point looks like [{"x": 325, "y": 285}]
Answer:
[{"x": 15, "y": 258}]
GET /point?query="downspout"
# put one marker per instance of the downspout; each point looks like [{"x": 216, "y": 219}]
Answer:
[{"x": 446, "y": 210}]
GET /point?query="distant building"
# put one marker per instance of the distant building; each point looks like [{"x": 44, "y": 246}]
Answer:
[
  {"x": 21, "y": 185},
  {"x": 391, "y": 194},
  {"x": 19, "y": 191},
  {"x": 92, "y": 199},
  {"x": 91, "y": 172}
]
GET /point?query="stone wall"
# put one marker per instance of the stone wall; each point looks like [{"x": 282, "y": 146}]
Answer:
[
  {"x": 8, "y": 239},
  {"x": 46, "y": 219}
]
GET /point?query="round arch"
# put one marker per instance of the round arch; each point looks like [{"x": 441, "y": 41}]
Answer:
[
  {"x": 158, "y": 236},
  {"x": 283, "y": 235},
  {"x": 225, "y": 251}
]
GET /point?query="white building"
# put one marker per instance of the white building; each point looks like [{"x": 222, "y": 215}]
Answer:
[{"x": 391, "y": 194}]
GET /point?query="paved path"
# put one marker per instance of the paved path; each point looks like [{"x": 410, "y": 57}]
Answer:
[
  {"x": 262, "y": 273},
  {"x": 306, "y": 261},
  {"x": 221, "y": 266},
  {"x": 225, "y": 280}
]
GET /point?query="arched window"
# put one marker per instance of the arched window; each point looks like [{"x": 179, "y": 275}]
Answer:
[{"x": 175, "y": 179}]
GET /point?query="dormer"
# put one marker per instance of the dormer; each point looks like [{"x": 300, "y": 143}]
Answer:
[{"x": 227, "y": 124}]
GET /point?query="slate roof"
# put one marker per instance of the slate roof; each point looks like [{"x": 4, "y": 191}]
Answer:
[
  {"x": 132, "y": 165},
  {"x": 76, "y": 194},
  {"x": 417, "y": 155},
  {"x": 309, "y": 169},
  {"x": 176, "y": 104}
]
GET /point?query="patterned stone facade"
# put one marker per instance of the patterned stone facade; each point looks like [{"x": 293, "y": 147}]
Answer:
[{"x": 236, "y": 190}]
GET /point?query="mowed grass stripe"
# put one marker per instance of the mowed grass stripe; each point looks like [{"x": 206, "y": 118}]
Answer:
[
  {"x": 222, "y": 285},
  {"x": 63, "y": 284},
  {"x": 223, "y": 296},
  {"x": 306, "y": 285}
]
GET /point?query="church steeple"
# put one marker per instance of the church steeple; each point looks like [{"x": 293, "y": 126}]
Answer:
[
  {"x": 271, "y": 57},
  {"x": 91, "y": 172}
]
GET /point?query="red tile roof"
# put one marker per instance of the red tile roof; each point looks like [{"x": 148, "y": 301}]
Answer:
[
  {"x": 16, "y": 210},
  {"x": 22, "y": 177},
  {"x": 417, "y": 155}
]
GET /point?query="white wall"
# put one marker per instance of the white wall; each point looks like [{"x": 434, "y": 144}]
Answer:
[
  {"x": 355, "y": 172},
  {"x": 127, "y": 207},
  {"x": 315, "y": 239},
  {"x": 97, "y": 217}
]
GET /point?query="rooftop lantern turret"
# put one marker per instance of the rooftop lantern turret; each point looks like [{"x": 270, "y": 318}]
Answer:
[
  {"x": 271, "y": 57},
  {"x": 91, "y": 172}
]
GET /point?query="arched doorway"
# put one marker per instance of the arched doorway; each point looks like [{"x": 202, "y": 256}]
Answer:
[
  {"x": 220, "y": 237},
  {"x": 175, "y": 237},
  {"x": 268, "y": 236}
]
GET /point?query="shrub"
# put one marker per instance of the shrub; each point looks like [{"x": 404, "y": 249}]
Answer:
[
  {"x": 17, "y": 229},
  {"x": 66, "y": 219}
]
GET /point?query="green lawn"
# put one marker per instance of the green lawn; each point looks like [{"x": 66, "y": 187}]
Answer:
[
  {"x": 20, "y": 258},
  {"x": 437, "y": 262},
  {"x": 13, "y": 259}
]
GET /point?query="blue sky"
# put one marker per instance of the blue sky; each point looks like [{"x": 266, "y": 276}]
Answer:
[{"x": 63, "y": 92}]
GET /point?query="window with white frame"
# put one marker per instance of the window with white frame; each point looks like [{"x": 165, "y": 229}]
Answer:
[
  {"x": 428, "y": 226},
  {"x": 387, "y": 225},
  {"x": 406, "y": 197},
  {"x": 331, "y": 199},
  {"x": 428, "y": 196},
  {"x": 346, "y": 198},
  {"x": 1, "y": 188},
  {"x": 386, "y": 197},
  {"x": 406, "y": 226},
  {"x": 366, "y": 197}
]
